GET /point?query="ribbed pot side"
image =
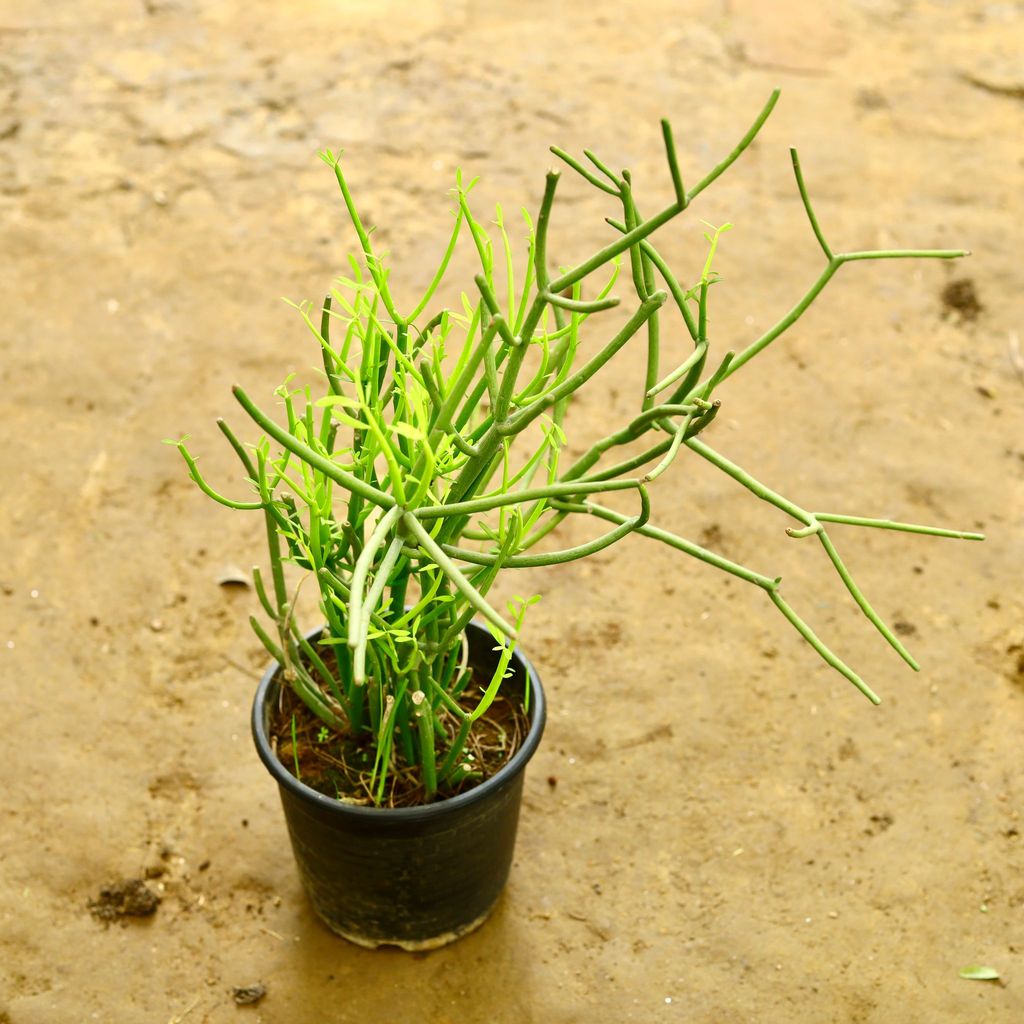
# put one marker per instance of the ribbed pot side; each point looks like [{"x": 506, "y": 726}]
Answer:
[{"x": 414, "y": 877}]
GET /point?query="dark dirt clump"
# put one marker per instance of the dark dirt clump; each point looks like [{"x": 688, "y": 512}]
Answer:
[
  {"x": 961, "y": 298},
  {"x": 128, "y": 898}
]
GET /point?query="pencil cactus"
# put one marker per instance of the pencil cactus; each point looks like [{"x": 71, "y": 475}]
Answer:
[{"x": 432, "y": 462}]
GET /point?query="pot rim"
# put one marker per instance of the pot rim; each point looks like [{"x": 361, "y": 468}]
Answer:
[{"x": 452, "y": 804}]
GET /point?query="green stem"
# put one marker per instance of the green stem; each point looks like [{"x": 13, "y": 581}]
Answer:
[
  {"x": 903, "y": 254},
  {"x": 888, "y": 524},
  {"x": 610, "y": 251},
  {"x": 566, "y": 555},
  {"x": 806, "y": 200},
  {"x": 737, "y": 150},
  {"x": 193, "y": 471},
  {"x": 752, "y": 485},
  {"x": 578, "y": 305},
  {"x": 862, "y": 602},
  {"x": 687, "y": 547},
  {"x": 358, "y": 622},
  {"x": 473, "y": 596},
  {"x": 673, "y": 163},
  {"x": 314, "y": 458},
  {"x": 493, "y": 501},
  {"x": 831, "y": 659},
  {"x": 378, "y": 274},
  {"x": 583, "y": 172},
  {"x": 368, "y": 606},
  {"x": 576, "y": 380}
]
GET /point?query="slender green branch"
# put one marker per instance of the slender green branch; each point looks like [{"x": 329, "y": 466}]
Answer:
[
  {"x": 373, "y": 596},
  {"x": 581, "y": 376},
  {"x": 326, "y": 352},
  {"x": 687, "y": 547},
  {"x": 431, "y": 325},
  {"x": 540, "y": 245},
  {"x": 520, "y": 497},
  {"x": 372, "y": 263},
  {"x": 805, "y": 199},
  {"x": 752, "y": 485},
  {"x": 441, "y": 270},
  {"x": 238, "y": 448},
  {"x": 568, "y": 554},
  {"x": 676, "y": 290},
  {"x": 610, "y": 251},
  {"x": 703, "y": 420},
  {"x": 630, "y": 432},
  {"x": 580, "y": 306},
  {"x": 357, "y": 620},
  {"x": 628, "y": 465},
  {"x": 888, "y": 524},
  {"x": 862, "y": 602},
  {"x": 788, "y": 320},
  {"x": 812, "y": 526},
  {"x": 449, "y": 568},
  {"x": 681, "y": 370},
  {"x": 718, "y": 376},
  {"x": 604, "y": 169},
  {"x": 643, "y": 274},
  {"x": 673, "y": 163},
  {"x": 831, "y": 659},
  {"x": 314, "y": 458},
  {"x": 583, "y": 172},
  {"x": 806, "y": 531},
  {"x": 193, "y": 471},
  {"x": 903, "y": 254},
  {"x": 737, "y": 150},
  {"x": 491, "y": 301},
  {"x": 438, "y": 402},
  {"x": 677, "y": 440}
]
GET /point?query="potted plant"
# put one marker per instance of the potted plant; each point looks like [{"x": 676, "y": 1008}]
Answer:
[{"x": 431, "y": 459}]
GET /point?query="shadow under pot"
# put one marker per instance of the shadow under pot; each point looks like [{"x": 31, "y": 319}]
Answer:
[{"x": 413, "y": 877}]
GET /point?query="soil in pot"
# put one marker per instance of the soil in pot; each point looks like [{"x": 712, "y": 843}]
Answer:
[{"x": 339, "y": 764}]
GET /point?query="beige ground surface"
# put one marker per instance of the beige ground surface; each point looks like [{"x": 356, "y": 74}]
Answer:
[{"x": 736, "y": 835}]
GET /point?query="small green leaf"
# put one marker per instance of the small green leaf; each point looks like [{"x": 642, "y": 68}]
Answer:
[
  {"x": 282, "y": 389},
  {"x": 407, "y": 430},
  {"x": 349, "y": 421},
  {"x": 328, "y": 400},
  {"x": 975, "y": 973}
]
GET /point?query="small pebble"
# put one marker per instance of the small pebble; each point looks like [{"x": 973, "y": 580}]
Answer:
[
  {"x": 247, "y": 995},
  {"x": 156, "y": 625}
]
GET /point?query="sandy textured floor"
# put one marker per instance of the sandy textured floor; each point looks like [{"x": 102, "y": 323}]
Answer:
[{"x": 736, "y": 835}]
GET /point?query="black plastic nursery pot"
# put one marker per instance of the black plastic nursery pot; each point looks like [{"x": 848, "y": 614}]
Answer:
[{"x": 413, "y": 877}]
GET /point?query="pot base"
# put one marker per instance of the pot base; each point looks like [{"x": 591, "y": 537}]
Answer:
[{"x": 410, "y": 946}]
